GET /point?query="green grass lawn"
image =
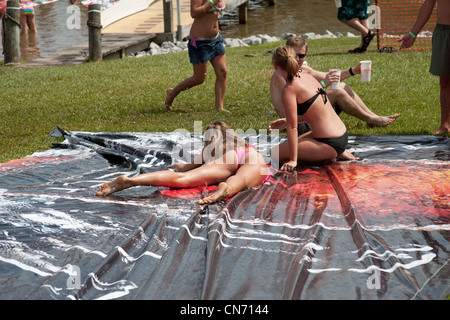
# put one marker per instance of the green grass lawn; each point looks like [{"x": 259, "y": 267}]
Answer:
[{"x": 128, "y": 95}]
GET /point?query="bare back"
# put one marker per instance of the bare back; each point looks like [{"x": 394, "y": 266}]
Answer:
[{"x": 324, "y": 121}]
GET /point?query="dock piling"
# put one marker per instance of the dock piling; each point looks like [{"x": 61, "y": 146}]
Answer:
[
  {"x": 12, "y": 33},
  {"x": 95, "y": 32},
  {"x": 168, "y": 16},
  {"x": 179, "y": 26},
  {"x": 243, "y": 13}
]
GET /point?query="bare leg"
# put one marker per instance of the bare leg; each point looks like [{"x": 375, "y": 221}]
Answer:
[
  {"x": 220, "y": 68},
  {"x": 352, "y": 104},
  {"x": 197, "y": 78},
  {"x": 212, "y": 173},
  {"x": 169, "y": 99},
  {"x": 358, "y": 100},
  {"x": 309, "y": 150},
  {"x": 159, "y": 178},
  {"x": 362, "y": 26},
  {"x": 31, "y": 21},
  {"x": 445, "y": 105},
  {"x": 3, "y": 31},
  {"x": 23, "y": 23},
  {"x": 201, "y": 176},
  {"x": 248, "y": 176}
]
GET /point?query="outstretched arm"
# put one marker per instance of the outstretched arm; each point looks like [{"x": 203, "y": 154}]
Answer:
[{"x": 408, "y": 39}]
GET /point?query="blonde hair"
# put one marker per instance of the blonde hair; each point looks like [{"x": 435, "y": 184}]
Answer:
[
  {"x": 219, "y": 138},
  {"x": 284, "y": 57},
  {"x": 298, "y": 42}
]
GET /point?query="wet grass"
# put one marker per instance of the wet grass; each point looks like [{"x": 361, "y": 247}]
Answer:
[{"x": 128, "y": 95}]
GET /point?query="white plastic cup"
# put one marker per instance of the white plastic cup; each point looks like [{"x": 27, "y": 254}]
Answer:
[
  {"x": 336, "y": 84},
  {"x": 366, "y": 70}
]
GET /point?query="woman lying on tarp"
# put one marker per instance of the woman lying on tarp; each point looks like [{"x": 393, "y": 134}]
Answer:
[{"x": 226, "y": 160}]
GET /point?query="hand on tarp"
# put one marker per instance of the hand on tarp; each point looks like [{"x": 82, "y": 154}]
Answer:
[{"x": 289, "y": 166}]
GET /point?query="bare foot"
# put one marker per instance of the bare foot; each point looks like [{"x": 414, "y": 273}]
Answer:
[
  {"x": 112, "y": 186},
  {"x": 382, "y": 121},
  {"x": 169, "y": 99},
  {"x": 442, "y": 131},
  {"x": 346, "y": 155},
  {"x": 222, "y": 109},
  {"x": 223, "y": 192}
]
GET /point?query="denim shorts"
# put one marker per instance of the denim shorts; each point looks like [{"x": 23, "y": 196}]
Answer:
[
  {"x": 202, "y": 50},
  {"x": 353, "y": 9}
]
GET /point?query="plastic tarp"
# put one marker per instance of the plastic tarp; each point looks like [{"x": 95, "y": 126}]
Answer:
[{"x": 376, "y": 228}]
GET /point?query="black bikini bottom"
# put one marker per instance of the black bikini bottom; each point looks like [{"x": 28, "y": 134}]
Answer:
[{"x": 338, "y": 143}]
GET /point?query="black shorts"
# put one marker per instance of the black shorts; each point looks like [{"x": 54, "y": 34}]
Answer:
[{"x": 440, "y": 54}]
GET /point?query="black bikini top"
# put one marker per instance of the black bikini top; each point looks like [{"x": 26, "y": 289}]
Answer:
[{"x": 303, "y": 107}]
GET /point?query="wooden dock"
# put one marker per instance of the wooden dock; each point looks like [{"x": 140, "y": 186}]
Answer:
[
  {"x": 157, "y": 20},
  {"x": 158, "y": 23},
  {"x": 151, "y": 20},
  {"x": 114, "y": 46}
]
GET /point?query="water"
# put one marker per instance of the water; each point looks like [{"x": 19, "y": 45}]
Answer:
[
  {"x": 53, "y": 34},
  {"x": 295, "y": 16},
  {"x": 287, "y": 16}
]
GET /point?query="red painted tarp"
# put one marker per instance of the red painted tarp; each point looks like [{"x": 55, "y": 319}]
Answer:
[{"x": 377, "y": 228}]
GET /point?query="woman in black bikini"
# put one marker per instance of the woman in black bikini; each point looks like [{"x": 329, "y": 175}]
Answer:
[{"x": 303, "y": 96}]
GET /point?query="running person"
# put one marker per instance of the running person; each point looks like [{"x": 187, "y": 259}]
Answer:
[{"x": 205, "y": 44}]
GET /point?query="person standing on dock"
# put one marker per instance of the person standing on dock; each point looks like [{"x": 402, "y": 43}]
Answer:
[
  {"x": 27, "y": 17},
  {"x": 205, "y": 44}
]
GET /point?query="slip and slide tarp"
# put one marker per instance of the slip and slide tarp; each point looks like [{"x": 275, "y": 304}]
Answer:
[{"x": 377, "y": 228}]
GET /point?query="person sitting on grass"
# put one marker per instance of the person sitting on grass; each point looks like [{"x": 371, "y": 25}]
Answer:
[
  {"x": 226, "y": 160},
  {"x": 344, "y": 99},
  {"x": 303, "y": 96}
]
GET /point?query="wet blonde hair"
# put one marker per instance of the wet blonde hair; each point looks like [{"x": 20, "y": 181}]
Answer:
[
  {"x": 218, "y": 139},
  {"x": 284, "y": 57}
]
